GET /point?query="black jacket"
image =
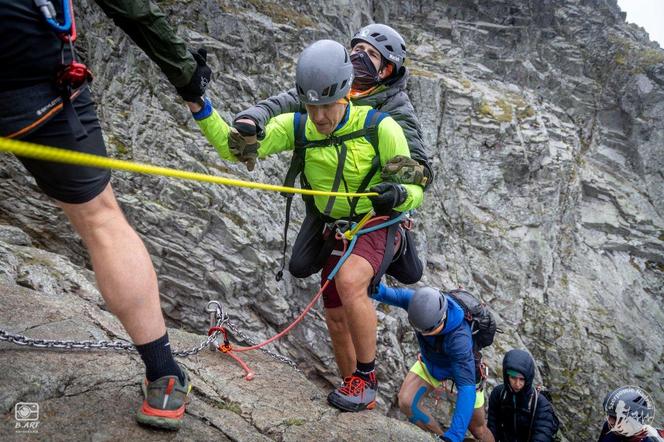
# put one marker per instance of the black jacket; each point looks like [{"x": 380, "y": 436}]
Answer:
[{"x": 526, "y": 416}]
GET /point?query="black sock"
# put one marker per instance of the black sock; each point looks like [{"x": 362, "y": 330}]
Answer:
[
  {"x": 159, "y": 360},
  {"x": 364, "y": 369}
]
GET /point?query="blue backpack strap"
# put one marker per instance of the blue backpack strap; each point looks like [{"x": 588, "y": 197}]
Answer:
[
  {"x": 299, "y": 129},
  {"x": 371, "y": 122}
]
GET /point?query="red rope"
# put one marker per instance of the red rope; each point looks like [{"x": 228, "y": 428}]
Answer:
[
  {"x": 291, "y": 326},
  {"x": 228, "y": 349}
]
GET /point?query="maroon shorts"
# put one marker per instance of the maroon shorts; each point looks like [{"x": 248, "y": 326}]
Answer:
[{"x": 370, "y": 246}]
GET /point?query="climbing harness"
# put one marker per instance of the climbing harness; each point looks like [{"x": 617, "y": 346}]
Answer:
[
  {"x": 71, "y": 75},
  {"x": 46, "y": 153},
  {"x": 437, "y": 391}
]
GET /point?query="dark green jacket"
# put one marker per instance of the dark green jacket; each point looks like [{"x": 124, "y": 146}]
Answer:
[
  {"x": 30, "y": 50},
  {"x": 144, "y": 22}
]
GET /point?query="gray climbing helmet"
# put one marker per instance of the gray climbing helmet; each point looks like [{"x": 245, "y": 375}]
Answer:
[
  {"x": 389, "y": 42},
  {"x": 324, "y": 73},
  {"x": 427, "y": 309}
]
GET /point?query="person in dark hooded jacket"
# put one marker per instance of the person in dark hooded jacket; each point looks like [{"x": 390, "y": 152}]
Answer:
[{"x": 517, "y": 412}]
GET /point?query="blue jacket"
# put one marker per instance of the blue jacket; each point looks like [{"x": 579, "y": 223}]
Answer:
[{"x": 448, "y": 355}]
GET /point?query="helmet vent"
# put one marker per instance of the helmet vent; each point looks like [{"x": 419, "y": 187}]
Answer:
[
  {"x": 389, "y": 48},
  {"x": 381, "y": 38},
  {"x": 343, "y": 84},
  {"x": 330, "y": 90}
]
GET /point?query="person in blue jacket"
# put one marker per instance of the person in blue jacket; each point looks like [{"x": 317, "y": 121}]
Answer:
[{"x": 446, "y": 352}]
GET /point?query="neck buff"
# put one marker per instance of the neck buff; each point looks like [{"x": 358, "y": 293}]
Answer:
[{"x": 366, "y": 76}]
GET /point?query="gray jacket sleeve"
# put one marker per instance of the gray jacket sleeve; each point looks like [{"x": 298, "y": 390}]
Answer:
[
  {"x": 402, "y": 111},
  {"x": 263, "y": 111}
]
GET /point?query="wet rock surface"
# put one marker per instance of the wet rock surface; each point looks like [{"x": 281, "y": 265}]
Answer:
[{"x": 545, "y": 121}]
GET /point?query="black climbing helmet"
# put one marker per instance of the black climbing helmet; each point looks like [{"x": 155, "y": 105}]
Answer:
[
  {"x": 427, "y": 309},
  {"x": 389, "y": 42},
  {"x": 324, "y": 73},
  {"x": 631, "y": 407}
]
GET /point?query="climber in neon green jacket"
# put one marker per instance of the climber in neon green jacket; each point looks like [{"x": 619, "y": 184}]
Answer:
[
  {"x": 338, "y": 158},
  {"x": 320, "y": 164}
]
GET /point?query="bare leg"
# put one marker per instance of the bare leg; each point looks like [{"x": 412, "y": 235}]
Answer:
[
  {"x": 122, "y": 265},
  {"x": 352, "y": 282},
  {"x": 342, "y": 342},
  {"x": 478, "y": 427},
  {"x": 413, "y": 389}
]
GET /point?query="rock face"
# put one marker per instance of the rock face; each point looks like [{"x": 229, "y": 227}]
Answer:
[
  {"x": 93, "y": 396},
  {"x": 545, "y": 121}
]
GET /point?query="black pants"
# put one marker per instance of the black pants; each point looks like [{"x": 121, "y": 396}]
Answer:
[{"x": 66, "y": 183}]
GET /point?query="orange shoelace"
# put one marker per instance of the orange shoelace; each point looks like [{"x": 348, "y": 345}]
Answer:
[{"x": 353, "y": 386}]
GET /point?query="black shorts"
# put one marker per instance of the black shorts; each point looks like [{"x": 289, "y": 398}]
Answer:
[{"x": 66, "y": 183}]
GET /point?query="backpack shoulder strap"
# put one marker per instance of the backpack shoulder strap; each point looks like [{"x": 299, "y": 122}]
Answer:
[
  {"x": 300, "y": 127},
  {"x": 533, "y": 406},
  {"x": 371, "y": 122},
  {"x": 370, "y": 129},
  {"x": 295, "y": 168}
]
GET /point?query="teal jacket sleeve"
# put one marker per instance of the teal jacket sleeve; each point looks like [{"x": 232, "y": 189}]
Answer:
[{"x": 147, "y": 26}]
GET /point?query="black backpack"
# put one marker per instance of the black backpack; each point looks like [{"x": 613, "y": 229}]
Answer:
[{"x": 482, "y": 323}]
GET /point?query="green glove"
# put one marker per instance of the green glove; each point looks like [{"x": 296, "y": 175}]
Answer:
[
  {"x": 404, "y": 170},
  {"x": 245, "y": 148}
]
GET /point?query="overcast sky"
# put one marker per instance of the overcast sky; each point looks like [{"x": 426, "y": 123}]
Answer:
[{"x": 649, "y": 14}]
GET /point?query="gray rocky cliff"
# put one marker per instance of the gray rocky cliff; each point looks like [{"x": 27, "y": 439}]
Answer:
[{"x": 545, "y": 121}]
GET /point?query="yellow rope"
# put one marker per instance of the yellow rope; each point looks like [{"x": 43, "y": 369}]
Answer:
[
  {"x": 349, "y": 234},
  {"x": 46, "y": 153}
]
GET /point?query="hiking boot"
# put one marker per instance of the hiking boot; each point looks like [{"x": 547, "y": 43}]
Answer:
[
  {"x": 164, "y": 403},
  {"x": 355, "y": 394}
]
